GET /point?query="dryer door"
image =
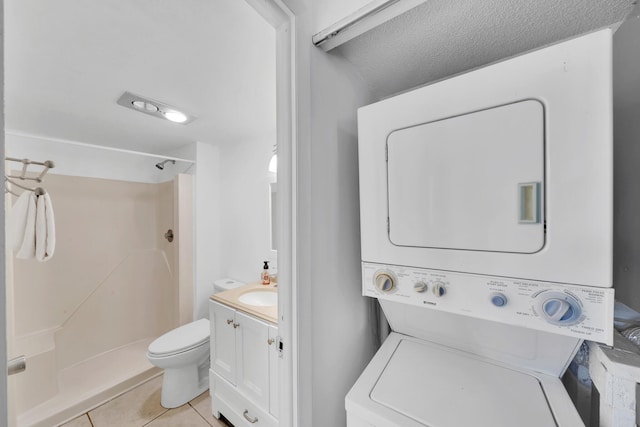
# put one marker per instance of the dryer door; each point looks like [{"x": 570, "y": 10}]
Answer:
[{"x": 471, "y": 182}]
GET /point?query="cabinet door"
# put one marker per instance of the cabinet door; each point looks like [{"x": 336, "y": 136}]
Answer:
[
  {"x": 223, "y": 341},
  {"x": 274, "y": 372},
  {"x": 252, "y": 349}
]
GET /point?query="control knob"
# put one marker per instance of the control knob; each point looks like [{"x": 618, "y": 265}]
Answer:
[
  {"x": 439, "y": 289},
  {"x": 559, "y": 308},
  {"x": 384, "y": 281},
  {"x": 420, "y": 287},
  {"x": 498, "y": 299}
]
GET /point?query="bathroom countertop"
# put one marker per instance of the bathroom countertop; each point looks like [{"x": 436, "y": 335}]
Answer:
[{"x": 230, "y": 298}]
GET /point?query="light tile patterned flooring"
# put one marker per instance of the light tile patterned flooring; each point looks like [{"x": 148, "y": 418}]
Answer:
[{"x": 141, "y": 407}]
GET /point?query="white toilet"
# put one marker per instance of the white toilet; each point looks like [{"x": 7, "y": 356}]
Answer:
[{"x": 183, "y": 353}]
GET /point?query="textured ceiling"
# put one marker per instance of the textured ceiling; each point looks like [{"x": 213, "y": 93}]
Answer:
[
  {"x": 68, "y": 61},
  {"x": 441, "y": 38}
]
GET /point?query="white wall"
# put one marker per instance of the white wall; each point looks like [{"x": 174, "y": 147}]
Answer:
[
  {"x": 232, "y": 213},
  {"x": 207, "y": 226},
  {"x": 244, "y": 207},
  {"x": 626, "y": 85},
  {"x": 335, "y": 339},
  {"x": 338, "y": 305}
]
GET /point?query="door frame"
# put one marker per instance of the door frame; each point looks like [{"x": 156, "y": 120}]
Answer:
[
  {"x": 283, "y": 20},
  {"x": 4, "y": 416},
  {"x": 276, "y": 13}
]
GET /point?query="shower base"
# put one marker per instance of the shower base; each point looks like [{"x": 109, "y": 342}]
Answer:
[{"x": 92, "y": 382}]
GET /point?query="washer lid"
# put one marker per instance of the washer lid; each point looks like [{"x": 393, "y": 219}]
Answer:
[
  {"x": 439, "y": 387},
  {"x": 181, "y": 339}
]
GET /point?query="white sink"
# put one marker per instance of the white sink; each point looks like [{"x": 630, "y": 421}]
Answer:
[{"x": 260, "y": 298}]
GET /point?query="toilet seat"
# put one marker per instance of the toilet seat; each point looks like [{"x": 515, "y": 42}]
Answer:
[{"x": 181, "y": 339}]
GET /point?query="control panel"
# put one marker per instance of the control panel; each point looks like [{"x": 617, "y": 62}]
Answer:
[{"x": 578, "y": 311}]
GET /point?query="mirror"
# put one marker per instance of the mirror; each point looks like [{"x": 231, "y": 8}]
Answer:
[{"x": 273, "y": 203}]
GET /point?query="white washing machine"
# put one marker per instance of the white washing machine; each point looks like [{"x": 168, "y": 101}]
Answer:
[
  {"x": 448, "y": 370},
  {"x": 486, "y": 224},
  {"x": 474, "y": 350},
  {"x": 412, "y": 382}
]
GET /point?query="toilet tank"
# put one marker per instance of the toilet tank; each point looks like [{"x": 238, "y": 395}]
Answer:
[{"x": 226, "y": 284}]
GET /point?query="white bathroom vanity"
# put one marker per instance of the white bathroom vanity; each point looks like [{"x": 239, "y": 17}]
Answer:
[{"x": 244, "y": 368}]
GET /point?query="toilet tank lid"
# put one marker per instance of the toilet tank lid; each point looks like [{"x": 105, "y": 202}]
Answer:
[
  {"x": 227, "y": 283},
  {"x": 182, "y": 338}
]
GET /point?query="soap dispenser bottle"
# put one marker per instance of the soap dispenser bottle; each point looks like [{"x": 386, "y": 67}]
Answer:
[{"x": 265, "y": 277}]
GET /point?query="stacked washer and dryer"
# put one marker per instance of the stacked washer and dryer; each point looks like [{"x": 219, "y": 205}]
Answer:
[{"x": 486, "y": 223}]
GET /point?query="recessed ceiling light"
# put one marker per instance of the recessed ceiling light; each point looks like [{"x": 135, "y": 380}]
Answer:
[
  {"x": 175, "y": 116},
  {"x": 155, "y": 108},
  {"x": 146, "y": 106}
]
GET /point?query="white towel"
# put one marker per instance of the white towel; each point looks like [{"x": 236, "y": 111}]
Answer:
[
  {"x": 51, "y": 227},
  {"x": 45, "y": 229},
  {"x": 28, "y": 247},
  {"x": 17, "y": 221}
]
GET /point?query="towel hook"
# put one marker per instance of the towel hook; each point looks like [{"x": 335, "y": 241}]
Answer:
[{"x": 9, "y": 179}]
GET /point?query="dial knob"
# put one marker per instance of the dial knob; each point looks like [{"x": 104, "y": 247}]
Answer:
[
  {"x": 439, "y": 289},
  {"x": 499, "y": 299},
  {"x": 420, "y": 287},
  {"x": 384, "y": 281},
  {"x": 560, "y": 309}
]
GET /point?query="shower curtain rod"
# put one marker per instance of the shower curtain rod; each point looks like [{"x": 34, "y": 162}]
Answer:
[
  {"x": 98, "y": 147},
  {"x": 355, "y": 18}
]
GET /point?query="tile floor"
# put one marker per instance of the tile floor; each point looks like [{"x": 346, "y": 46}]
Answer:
[{"x": 141, "y": 407}]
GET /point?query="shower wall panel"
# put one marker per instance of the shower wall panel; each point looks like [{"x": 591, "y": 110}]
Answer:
[{"x": 110, "y": 283}]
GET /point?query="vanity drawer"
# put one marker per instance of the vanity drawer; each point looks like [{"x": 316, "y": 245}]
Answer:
[{"x": 227, "y": 400}]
